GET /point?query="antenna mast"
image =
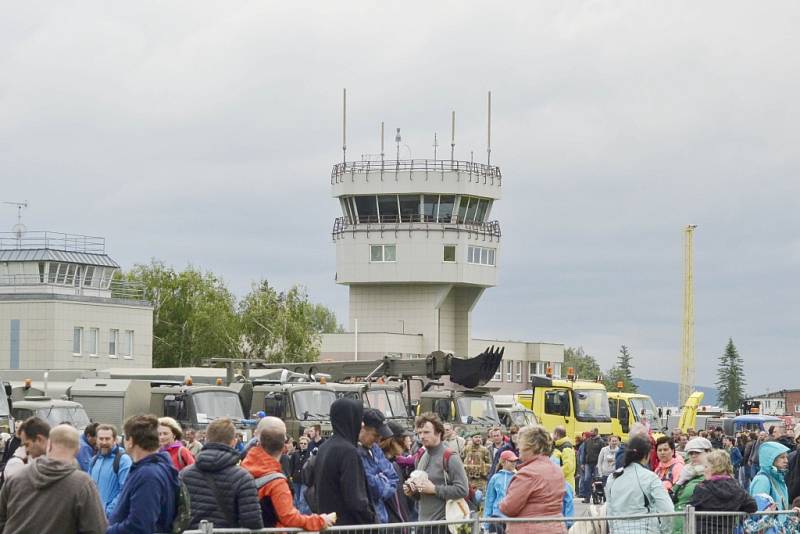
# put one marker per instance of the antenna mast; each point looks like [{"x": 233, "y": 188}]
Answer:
[
  {"x": 382, "y": 153},
  {"x": 489, "y": 133},
  {"x": 687, "y": 359},
  {"x": 19, "y": 228},
  {"x": 452, "y": 135},
  {"x": 435, "y": 145},
  {"x": 344, "y": 125},
  {"x": 397, "y": 140}
]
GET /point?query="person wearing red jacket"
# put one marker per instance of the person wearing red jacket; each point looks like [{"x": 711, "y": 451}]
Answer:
[{"x": 274, "y": 495}]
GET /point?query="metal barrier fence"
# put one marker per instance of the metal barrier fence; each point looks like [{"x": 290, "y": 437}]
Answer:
[{"x": 689, "y": 521}]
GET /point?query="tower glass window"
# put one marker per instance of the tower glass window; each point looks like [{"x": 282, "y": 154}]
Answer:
[
  {"x": 387, "y": 208},
  {"x": 463, "y": 204},
  {"x": 446, "y": 203},
  {"x": 367, "y": 208},
  {"x": 430, "y": 205},
  {"x": 472, "y": 210},
  {"x": 409, "y": 207}
]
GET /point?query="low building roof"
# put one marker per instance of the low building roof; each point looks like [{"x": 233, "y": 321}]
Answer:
[{"x": 46, "y": 254}]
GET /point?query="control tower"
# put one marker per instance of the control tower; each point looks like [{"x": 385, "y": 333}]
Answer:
[{"x": 417, "y": 246}]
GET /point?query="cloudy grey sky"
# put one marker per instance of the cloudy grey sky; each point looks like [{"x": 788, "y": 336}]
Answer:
[{"x": 204, "y": 132}]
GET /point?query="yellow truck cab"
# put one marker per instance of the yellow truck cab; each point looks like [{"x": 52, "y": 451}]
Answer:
[
  {"x": 579, "y": 406},
  {"x": 629, "y": 408}
]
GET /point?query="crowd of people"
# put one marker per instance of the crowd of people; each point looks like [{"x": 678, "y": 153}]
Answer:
[{"x": 159, "y": 477}]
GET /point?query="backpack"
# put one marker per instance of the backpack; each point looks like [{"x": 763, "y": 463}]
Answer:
[
  {"x": 114, "y": 466},
  {"x": 446, "y": 458},
  {"x": 592, "y": 451},
  {"x": 268, "y": 513},
  {"x": 183, "y": 514}
]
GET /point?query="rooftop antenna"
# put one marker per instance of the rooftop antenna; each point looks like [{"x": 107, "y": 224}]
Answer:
[
  {"x": 435, "y": 145},
  {"x": 382, "y": 153},
  {"x": 344, "y": 125},
  {"x": 452, "y": 135},
  {"x": 19, "y": 228},
  {"x": 397, "y": 140},
  {"x": 489, "y": 133}
]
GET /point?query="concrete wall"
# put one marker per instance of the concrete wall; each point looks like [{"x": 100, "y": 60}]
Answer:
[
  {"x": 46, "y": 332},
  {"x": 404, "y": 182}
]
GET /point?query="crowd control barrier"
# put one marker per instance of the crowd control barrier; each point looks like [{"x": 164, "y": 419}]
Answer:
[{"x": 689, "y": 521}]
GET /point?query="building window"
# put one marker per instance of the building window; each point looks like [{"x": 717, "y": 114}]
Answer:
[
  {"x": 557, "y": 370},
  {"x": 498, "y": 376},
  {"x": 113, "y": 341},
  {"x": 382, "y": 253},
  {"x": 509, "y": 371},
  {"x": 126, "y": 346},
  {"x": 519, "y": 371},
  {"x": 480, "y": 255},
  {"x": 449, "y": 253},
  {"x": 92, "y": 341},
  {"x": 77, "y": 340},
  {"x": 797, "y": 407}
]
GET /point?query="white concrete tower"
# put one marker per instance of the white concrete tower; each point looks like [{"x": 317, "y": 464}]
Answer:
[{"x": 417, "y": 247}]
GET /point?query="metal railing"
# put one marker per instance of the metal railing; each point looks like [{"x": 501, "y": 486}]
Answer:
[
  {"x": 35, "y": 283},
  {"x": 342, "y": 225},
  {"x": 489, "y": 174},
  {"x": 52, "y": 240},
  {"x": 692, "y": 522}
]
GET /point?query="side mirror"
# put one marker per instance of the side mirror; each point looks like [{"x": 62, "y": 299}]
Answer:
[{"x": 7, "y": 387}]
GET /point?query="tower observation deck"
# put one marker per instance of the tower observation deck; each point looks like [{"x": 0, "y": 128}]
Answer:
[{"x": 417, "y": 246}]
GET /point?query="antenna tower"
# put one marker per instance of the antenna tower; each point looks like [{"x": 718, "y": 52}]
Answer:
[
  {"x": 19, "y": 228},
  {"x": 687, "y": 359}
]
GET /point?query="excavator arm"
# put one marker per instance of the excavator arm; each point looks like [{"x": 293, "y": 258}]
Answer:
[{"x": 689, "y": 412}]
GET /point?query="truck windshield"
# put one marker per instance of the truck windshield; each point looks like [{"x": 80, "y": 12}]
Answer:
[
  {"x": 55, "y": 415},
  {"x": 477, "y": 410},
  {"x": 389, "y": 402},
  {"x": 313, "y": 403},
  {"x": 645, "y": 411},
  {"x": 592, "y": 405},
  {"x": 209, "y": 405}
]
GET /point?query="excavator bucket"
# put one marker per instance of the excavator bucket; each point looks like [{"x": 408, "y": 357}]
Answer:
[{"x": 477, "y": 371}]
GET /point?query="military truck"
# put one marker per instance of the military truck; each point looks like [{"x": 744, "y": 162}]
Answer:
[
  {"x": 54, "y": 411},
  {"x": 384, "y": 396},
  {"x": 513, "y": 413}
]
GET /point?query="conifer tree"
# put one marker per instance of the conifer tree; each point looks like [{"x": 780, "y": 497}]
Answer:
[{"x": 730, "y": 378}]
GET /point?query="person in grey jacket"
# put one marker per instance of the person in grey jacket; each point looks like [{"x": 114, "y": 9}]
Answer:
[
  {"x": 219, "y": 490},
  {"x": 446, "y": 477}
]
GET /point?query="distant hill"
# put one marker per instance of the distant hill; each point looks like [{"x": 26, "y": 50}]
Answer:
[{"x": 666, "y": 393}]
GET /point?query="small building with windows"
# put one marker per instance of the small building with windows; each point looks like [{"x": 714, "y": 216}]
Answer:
[
  {"x": 61, "y": 307},
  {"x": 417, "y": 246}
]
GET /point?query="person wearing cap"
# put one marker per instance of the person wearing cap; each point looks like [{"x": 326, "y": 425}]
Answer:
[
  {"x": 497, "y": 487},
  {"x": 399, "y": 507},
  {"x": 382, "y": 479},
  {"x": 692, "y": 474}
]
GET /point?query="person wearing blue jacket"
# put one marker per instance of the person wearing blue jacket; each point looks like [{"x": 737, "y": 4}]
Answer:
[
  {"x": 382, "y": 479},
  {"x": 109, "y": 468},
  {"x": 497, "y": 487},
  {"x": 149, "y": 500},
  {"x": 87, "y": 449},
  {"x": 770, "y": 479}
]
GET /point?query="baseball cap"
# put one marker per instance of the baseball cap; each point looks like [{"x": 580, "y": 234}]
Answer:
[
  {"x": 508, "y": 455},
  {"x": 374, "y": 419},
  {"x": 698, "y": 445},
  {"x": 398, "y": 430}
]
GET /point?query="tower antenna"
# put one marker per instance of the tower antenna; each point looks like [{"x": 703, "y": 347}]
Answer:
[
  {"x": 687, "y": 359},
  {"x": 344, "y": 125},
  {"x": 452, "y": 134},
  {"x": 489, "y": 133},
  {"x": 435, "y": 145},
  {"x": 397, "y": 140},
  {"x": 382, "y": 153},
  {"x": 19, "y": 228}
]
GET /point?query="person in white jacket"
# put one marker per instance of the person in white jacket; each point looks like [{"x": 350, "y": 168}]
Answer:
[
  {"x": 608, "y": 457},
  {"x": 16, "y": 462}
]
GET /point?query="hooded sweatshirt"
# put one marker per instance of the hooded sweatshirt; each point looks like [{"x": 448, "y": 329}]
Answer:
[
  {"x": 149, "y": 500},
  {"x": 51, "y": 496},
  {"x": 217, "y": 480},
  {"x": 720, "y": 494},
  {"x": 339, "y": 481},
  {"x": 110, "y": 483},
  {"x": 769, "y": 480}
]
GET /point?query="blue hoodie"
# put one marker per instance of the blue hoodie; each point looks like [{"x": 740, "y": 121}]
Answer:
[
  {"x": 769, "y": 480},
  {"x": 85, "y": 454},
  {"x": 495, "y": 492},
  {"x": 382, "y": 479},
  {"x": 149, "y": 500},
  {"x": 109, "y": 483}
]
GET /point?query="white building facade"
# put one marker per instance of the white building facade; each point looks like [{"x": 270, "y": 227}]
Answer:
[
  {"x": 417, "y": 246},
  {"x": 60, "y": 307}
]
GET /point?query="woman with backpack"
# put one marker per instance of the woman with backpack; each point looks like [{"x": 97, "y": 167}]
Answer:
[
  {"x": 169, "y": 438},
  {"x": 635, "y": 490}
]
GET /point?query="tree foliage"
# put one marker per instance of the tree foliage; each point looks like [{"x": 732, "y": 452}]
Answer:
[
  {"x": 730, "y": 378},
  {"x": 585, "y": 366},
  {"x": 622, "y": 372},
  {"x": 196, "y": 317}
]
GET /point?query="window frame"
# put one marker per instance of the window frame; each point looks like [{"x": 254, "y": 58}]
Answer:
[
  {"x": 77, "y": 336},
  {"x": 509, "y": 371},
  {"x": 477, "y": 255},
  {"x": 113, "y": 338},
  {"x": 518, "y": 371},
  {"x": 383, "y": 248},
  {"x": 127, "y": 351},
  {"x": 455, "y": 253},
  {"x": 96, "y": 333}
]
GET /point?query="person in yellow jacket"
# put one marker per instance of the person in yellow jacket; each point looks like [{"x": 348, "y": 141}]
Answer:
[{"x": 564, "y": 454}]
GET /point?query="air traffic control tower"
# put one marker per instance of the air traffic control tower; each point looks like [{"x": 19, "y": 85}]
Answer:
[{"x": 417, "y": 246}]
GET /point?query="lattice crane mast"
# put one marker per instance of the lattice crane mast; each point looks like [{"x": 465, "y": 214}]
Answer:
[{"x": 687, "y": 357}]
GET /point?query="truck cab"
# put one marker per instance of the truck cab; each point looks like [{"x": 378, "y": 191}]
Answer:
[
  {"x": 578, "y": 406},
  {"x": 387, "y": 397},
  {"x": 300, "y": 405},
  {"x": 196, "y": 406},
  {"x": 54, "y": 411},
  {"x": 469, "y": 410},
  {"x": 629, "y": 408}
]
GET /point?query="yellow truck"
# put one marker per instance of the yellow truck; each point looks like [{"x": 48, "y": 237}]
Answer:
[
  {"x": 629, "y": 408},
  {"x": 577, "y": 405}
]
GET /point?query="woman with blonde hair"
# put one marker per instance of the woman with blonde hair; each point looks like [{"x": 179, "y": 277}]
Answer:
[
  {"x": 720, "y": 492},
  {"x": 169, "y": 437},
  {"x": 538, "y": 488}
]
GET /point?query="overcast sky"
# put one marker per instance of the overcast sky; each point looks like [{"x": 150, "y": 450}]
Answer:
[{"x": 204, "y": 133}]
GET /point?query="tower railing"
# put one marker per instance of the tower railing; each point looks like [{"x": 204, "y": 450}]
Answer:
[
  {"x": 52, "y": 240},
  {"x": 343, "y": 225},
  {"x": 487, "y": 173}
]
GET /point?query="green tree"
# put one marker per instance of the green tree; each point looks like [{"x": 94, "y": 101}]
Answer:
[
  {"x": 586, "y": 367},
  {"x": 730, "y": 378},
  {"x": 194, "y": 314},
  {"x": 324, "y": 320},
  {"x": 621, "y": 372}
]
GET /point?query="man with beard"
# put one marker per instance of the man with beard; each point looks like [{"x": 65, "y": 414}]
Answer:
[{"x": 109, "y": 467}]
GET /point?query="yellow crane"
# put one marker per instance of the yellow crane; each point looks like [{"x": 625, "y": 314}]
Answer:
[{"x": 687, "y": 358}]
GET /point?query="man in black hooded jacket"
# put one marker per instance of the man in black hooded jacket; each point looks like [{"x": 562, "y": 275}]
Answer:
[{"x": 339, "y": 482}]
